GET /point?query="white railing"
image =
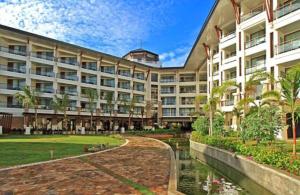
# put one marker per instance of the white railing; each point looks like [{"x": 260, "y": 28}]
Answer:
[
  {"x": 288, "y": 46},
  {"x": 287, "y": 8}
]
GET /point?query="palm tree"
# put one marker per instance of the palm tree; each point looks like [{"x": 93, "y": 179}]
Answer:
[
  {"x": 92, "y": 96},
  {"x": 215, "y": 99},
  {"x": 109, "y": 97},
  {"x": 250, "y": 89},
  {"x": 290, "y": 90},
  {"x": 237, "y": 111},
  {"x": 61, "y": 104},
  {"x": 129, "y": 105},
  {"x": 29, "y": 99}
]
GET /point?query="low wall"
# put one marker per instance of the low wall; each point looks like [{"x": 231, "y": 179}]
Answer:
[{"x": 271, "y": 179}]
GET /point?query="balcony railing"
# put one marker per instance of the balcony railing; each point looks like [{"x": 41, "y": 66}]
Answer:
[
  {"x": 12, "y": 51},
  {"x": 167, "y": 80},
  {"x": 202, "y": 77},
  {"x": 42, "y": 56},
  {"x": 229, "y": 102},
  {"x": 228, "y": 36},
  {"x": 216, "y": 73},
  {"x": 167, "y": 91},
  {"x": 287, "y": 8},
  {"x": 43, "y": 73},
  {"x": 68, "y": 77},
  {"x": 253, "y": 13},
  {"x": 125, "y": 73},
  {"x": 11, "y": 87},
  {"x": 258, "y": 66},
  {"x": 89, "y": 81},
  {"x": 44, "y": 90},
  {"x": 67, "y": 61},
  {"x": 108, "y": 70},
  {"x": 68, "y": 92},
  {"x": 188, "y": 79},
  {"x": 165, "y": 113},
  {"x": 188, "y": 102},
  {"x": 108, "y": 84},
  {"x": 136, "y": 88},
  {"x": 89, "y": 66},
  {"x": 169, "y": 103},
  {"x": 10, "y": 105},
  {"x": 20, "y": 69},
  {"x": 139, "y": 76},
  {"x": 288, "y": 46},
  {"x": 255, "y": 41},
  {"x": 124, "y": 86}
]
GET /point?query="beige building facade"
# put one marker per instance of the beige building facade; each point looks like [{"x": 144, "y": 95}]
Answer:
[{"x": 238, "y": 38}]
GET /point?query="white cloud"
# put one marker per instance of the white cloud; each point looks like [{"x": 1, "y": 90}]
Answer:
[
  {"x": 176, "y": 57},
  {"x": 110, "y": 26}
]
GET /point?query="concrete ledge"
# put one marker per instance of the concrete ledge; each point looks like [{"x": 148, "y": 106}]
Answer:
[
  {"x": 71, "y": 157},
  {"x": 271, "y": 179}
]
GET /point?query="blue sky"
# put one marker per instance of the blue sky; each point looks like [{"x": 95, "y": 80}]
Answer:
[{"x": 166, "y": 27}]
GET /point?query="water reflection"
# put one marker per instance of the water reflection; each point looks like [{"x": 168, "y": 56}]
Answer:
[{"x": 197, "y": 178}]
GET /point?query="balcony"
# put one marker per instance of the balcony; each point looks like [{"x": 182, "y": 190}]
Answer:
[
  {"x": 44, "y": 90},
  {"x": 287, "y": 8},
  {"x": 108, "y": 83},
  {"x": 253, "y": 13},
  {"x": 92, "y": 81},
  {"x": 216, "y": 73},
  {"x": 187, "y": 102},
  {"x": 255, "y": 41},
  {"x": 43, "y": 56},
  {"x": 167, "y": 80},
  {"x": 71, "y": 92},
  {"x": 20, "y": 69},
  {"x": 89, "y": 65},
  {"x": 288, "y": 46},
  {"x": 13, "y": 51},
  {"x": 167, "y": 91},
  {"x": 258, "y": 66},
  {"x": 43, "y": 73},
  {"x": 67, "y": 77},
  {"x": 168, "y": 102},
  {"x": 11, "y": 87},
  {"x": 124, "y": 85},
  {"x": 109, "y": 70},
  {"x": 169, "y": 112},
  {"x": 70, "y": 61},
  {"x": 186, "y": 112},
  {"x": 229, "y": 102},
  {"x": 138, "y": 88},
  {"x": 228, "y": 36},
  {"x": 125, "y": 73},
  {"x": 202, "y": 77},
  {"x": 10, "y": 105},
  {"x": 140, "y": 76},
  {"x": 231, "y": 76}
]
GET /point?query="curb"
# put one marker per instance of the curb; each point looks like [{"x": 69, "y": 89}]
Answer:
[
  {"x": 172, "y": 187},
  {"x": 66, "y": 158}
]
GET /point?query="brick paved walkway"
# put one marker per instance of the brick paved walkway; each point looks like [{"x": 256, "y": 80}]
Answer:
[{"x": 142, "y": 161}]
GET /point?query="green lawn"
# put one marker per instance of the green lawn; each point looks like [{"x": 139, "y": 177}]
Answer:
[{"x": 16, "y": 150}]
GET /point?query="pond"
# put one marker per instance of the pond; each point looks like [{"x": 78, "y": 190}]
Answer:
[{"x": 196, "y": 178}]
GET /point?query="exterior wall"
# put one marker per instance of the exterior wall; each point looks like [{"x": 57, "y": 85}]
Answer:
[
  {"x": 263, "y": 175},
  {"x": 65, "y": 70}
]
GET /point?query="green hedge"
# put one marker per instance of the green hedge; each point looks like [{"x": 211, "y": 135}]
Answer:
[
  {"x": 268, "y": 155},
  {"x": 156, "y": 131}
]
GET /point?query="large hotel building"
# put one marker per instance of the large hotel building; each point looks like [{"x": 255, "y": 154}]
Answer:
[{"x": 238, "y": 38}]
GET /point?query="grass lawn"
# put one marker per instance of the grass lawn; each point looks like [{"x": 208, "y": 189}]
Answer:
[{"x": 16, "y": 150}]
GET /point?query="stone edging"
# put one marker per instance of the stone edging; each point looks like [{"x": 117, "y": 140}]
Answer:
[
  {"x": 71, "y": 157},
  {"x": 172, "y": 187},
  {"x": 271, "y": 179}
]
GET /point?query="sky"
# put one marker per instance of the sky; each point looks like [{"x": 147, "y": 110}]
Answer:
[{"x": 166, "y": 27}]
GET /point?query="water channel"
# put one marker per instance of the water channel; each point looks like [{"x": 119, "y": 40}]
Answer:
[{"x": 197, "y": 178}]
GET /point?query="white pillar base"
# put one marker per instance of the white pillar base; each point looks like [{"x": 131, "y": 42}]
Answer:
[
  {"x": 27, "y": 130},
  {"x": 279, "y": 136},
  {"x": 82, "y": 130},
  {"x": 1, "y": 131},
  {"x": 122, "y": 130}
]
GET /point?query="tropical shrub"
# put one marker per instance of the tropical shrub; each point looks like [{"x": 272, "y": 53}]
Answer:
[
  {"x": 201, "y": 125},
  {"x": 274, "y": 156},
  {"x": 262, "y": 124},
  {"x": 218, "y": 125}
]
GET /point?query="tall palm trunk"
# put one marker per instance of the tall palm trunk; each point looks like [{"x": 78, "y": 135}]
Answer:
[
  {"x": 210, "y": 121},
  {"x": 91, "y": 121},
  {"x": 35, "y": 117},
  {"x": 294, "y": 133}
]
